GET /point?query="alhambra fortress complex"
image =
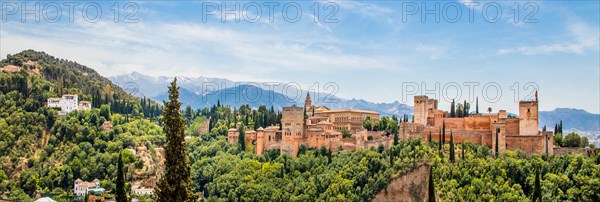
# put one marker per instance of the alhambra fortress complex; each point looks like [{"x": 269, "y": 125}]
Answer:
[{"x": 323, "y": 126}]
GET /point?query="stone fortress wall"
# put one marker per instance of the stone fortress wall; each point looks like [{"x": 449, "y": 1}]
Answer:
[{"x": 513, "y": 133}]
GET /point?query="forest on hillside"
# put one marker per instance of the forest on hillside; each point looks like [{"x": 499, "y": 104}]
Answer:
[{"x": 43, "y": 153}]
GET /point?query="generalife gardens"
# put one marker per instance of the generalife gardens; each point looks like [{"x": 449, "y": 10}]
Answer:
[{"x": 76, "y": 125}]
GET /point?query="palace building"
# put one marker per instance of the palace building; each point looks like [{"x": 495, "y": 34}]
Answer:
[
  {"x": 321, "y": 126},
  {"x": 513, "y": 133},
  {"x": 316, "y": 126}
]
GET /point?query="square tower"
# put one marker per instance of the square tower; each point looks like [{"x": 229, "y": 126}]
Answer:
[
  {"x": 528, "y": 117},
  {"x": 292, "y": 120},
  {"x": 499, "y": 129},
  {"x": 420, "y": 109}
]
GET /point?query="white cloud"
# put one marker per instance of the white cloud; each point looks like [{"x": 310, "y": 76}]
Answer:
[
  {"x": 181, "y": 48},
  {"x": 584, "y": 38}
]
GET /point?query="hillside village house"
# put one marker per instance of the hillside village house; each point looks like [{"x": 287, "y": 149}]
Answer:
[
  {"x": 68, "y": 103},
  {"x": 81, "y": 187},
  {"x": 140, "y": 191}
]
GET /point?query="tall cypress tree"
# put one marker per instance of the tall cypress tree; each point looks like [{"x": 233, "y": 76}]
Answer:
[
  {"x": 121, "y": 196},
  {"x": 452, "y": 109},
  {"x": 440, "y": 139},
  {"x": 440, "y": 149},
  {"x": 430, "y": 140},
  {"x": 175, "y": 184},
  {"x": 431, "y": 186},
  {"x": 560, "y": 127},
  {"x": 496, "y": 146},
  {"x": 443, "y": 132},
  {"x": 462, "y": 150},
  {"x": 452, "y": 157},
  {"x": 537, "y": 188},
  {"x": 242, "y": 138},
  {"x": 465, "y": 109},
  {"x": 477, "y": 105},
  {"x": 329, "y": 156}
]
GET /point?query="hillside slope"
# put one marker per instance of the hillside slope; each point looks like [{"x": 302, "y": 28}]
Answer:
[{"x": 42, "y": 152}]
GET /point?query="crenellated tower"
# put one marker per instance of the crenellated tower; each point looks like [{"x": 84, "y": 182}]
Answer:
[{"x": 528, "y": 117}]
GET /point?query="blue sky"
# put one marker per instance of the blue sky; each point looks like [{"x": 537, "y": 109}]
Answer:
[{"x": 369, "y": 48}]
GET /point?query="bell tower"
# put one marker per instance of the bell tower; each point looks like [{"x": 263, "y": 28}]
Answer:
[{"x": 307, "y": 102}]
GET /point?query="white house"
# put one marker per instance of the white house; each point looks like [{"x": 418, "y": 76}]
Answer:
[
  {"x": 81, "y": 187},
  {"x": 68, "y": 103},
  {"x": 141, "y": 190}
]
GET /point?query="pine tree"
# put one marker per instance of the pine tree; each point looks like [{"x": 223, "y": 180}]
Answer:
[
  {"x": 431, "y": 186},
  {"x": 121, "y": 195},
  {"x": 175, "y": 184},
  {"x": 452, "y": 157}
]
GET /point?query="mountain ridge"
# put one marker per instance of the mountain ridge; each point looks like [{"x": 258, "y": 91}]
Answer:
[
  {"x": 145, "y": 86},
  {"x": 584, "y": 120}
]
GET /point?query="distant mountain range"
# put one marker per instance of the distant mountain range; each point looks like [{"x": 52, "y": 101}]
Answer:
[
  {"x": 203, "y": 92},
  {"x": 577, "y": 119}
]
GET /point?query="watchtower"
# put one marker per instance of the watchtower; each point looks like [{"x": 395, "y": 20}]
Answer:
[
  {"x": 528, "y": 117},
  {"x": 420, "y": 109}
]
